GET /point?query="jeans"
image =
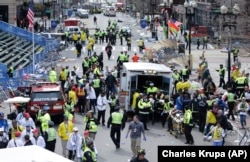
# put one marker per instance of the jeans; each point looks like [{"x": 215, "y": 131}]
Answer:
[
  {"x": 218, "y": 143},
  {"x": 243, "y": 120}
]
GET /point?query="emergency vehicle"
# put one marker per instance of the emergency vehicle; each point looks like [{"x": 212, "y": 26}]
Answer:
[
  {"x": 46, "y": 93},
  {"x": 137, "y": 75}
]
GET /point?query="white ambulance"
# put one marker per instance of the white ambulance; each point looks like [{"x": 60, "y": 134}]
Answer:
[{"x": 137, "y": 75}]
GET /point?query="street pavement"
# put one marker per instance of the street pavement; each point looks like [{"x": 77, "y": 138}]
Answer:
[{"x": 156, "y": 135}]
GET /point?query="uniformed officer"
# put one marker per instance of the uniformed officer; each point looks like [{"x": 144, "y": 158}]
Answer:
[
  {"x": 140, "y": 45},
  {"x": 231, "y": 103},
  {"x": 50, "y": 137},
  {"x": 235, "y": 53},
  {"x": 121, "y": 58},
  {"x": 205, "y": 42},
  {"x": 52, "y": 75},
  {"x": 118, "y": 123},
  {"x": 222, "y": 76},
  {"x": 44, "y": 119},
  {"x": 114, "y": 103},
  {"x": 121, "y": 36},
  {"x": 89, "y": 154},
  {"x": 198, "y": 43},
  {"x": 129, "y": 43},
  {"x": 185, "y": 73},
  {"x": 152, "y": 90},
  {"x": 145, "y": 107},
  {"x": 97, "y": 85},
  {"x": 188, "y": 125},
  {"x": 91, "y": 124},
  {"x": 241, "y": 82},
  {"x": 10, "y": 72}
]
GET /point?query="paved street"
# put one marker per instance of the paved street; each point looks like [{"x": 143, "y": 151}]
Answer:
[{"x": 156, "y": 135}]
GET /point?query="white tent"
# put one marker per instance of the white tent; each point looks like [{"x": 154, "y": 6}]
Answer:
[{"x": 30, "y": 154}]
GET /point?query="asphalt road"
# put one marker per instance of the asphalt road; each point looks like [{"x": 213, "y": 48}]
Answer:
[{"x": 155, "y": 136}]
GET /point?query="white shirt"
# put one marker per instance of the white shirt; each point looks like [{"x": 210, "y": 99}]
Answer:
[
  {"x": 30, "y": 121},
  {"x": 19, "y": 118},
  {"x": 16, "y": 142},
  {"x": 91, "y": 93},
  {"x": 102, "y": 102},
  {"x": 24, "y": 132},
  {"x": 4, "y": 137},
  {"x": 38, "y": 141},
  {"x": 74, "y": 142}
]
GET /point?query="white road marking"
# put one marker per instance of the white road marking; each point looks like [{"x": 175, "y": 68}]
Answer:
[{"x": 72, "y": 49}]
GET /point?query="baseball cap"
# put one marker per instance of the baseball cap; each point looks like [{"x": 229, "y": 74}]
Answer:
[
  {"x": 26, "y": 115},
  {"x": 86, "y": 133},
  {"x": 75, "y": 129},
  {"x": 35, "y": 131}
]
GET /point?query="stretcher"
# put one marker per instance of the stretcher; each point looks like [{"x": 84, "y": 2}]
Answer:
[{"x": 177, "y": 121}]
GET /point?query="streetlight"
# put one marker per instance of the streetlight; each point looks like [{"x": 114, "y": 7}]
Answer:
[
  {"x": 54, "y": 9},
  {"x": 232, "y": 11},
  {"x": 190, "y": 12},
  {"x": 167, "y": 14},
  {"x": 154, "y": 31}
]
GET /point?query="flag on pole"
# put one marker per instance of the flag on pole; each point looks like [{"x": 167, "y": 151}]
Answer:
[
  {"x": 30, "y": 14},
  {"x": 172, "y": 27},
  {"x": 177, "y": 23}
]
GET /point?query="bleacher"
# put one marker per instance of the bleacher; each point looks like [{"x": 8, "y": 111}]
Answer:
[{"x": 16, "y": 51}]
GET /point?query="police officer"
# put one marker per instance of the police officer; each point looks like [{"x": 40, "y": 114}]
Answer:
[
  {"x": 152, "y": 90},
  {"x": 145, "y": 107},
  {"x": 185, "y": 73},
  {"x": 241, "y": 82},
  {"x": 198, "y": 43},
  {"x": 52, "y": 75},
  {"x": 114, "y": 102},
  {"x": 176, "y": 77},
  {"x": 89, "y": 154},
  {"x": 97, "y": 85},
  {"x": 188, "y": 125},
  {"x": 121, "y": 36},
  {"x": 140, "y": 45},
  {"x": 10, "y": 72},
  {"x": 222, "y": 76},
  {"x": 231, "y": 103},
  {"x": 129, "y": 43},
  {"x": 91, "y": 124},
  {"x": 44, "y": 119},
  {"x": 85, "y": 65},
  {"x": 121, "y": 58},
  {"x": 205, "y": 42},
  {"x": 235, "y": 53},
  {"x": 50, "y": 137},
  {"x": 69, "y": 107},
  {"x": 118, "y": 124}
]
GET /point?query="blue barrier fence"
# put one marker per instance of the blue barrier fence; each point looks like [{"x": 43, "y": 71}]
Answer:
[
  {"x": 22, "y": 33},
  {"x": 48, "y": 45}
]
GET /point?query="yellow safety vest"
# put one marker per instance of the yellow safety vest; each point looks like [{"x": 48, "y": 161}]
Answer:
[
  {"x": 230, "y": 97},
  {"x": 96, "y": 83},
  {"x": 113, "y": 102},
  {"x": 187, "y": 117},
  {"x": 51, "y": 134},
  {"x": 184, "y": 71},
  {"x": 116, "y": 118},
  {"x": 87, "y": 149}
]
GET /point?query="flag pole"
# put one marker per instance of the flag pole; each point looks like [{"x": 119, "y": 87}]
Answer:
[{"x": 33, "y": 49}]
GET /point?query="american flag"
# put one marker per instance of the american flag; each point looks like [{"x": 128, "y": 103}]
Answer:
[
  {"x": 30, "y": 14},
  {"x": 177, "y": 23}
]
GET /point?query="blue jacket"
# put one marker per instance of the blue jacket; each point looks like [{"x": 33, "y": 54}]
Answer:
[
  {"x": 4, "y": 123},
  {"x": 179, "y": 103}
]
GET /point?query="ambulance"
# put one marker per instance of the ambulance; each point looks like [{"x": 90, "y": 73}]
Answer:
[{"x": 138, "y": 75}]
